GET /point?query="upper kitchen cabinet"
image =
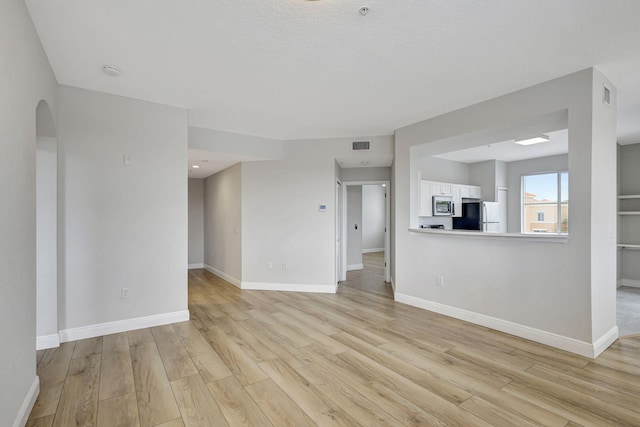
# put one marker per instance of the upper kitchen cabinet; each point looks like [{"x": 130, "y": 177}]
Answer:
[
  {"x": 470, "y": 192},
  {"x": 441, "y": 189},
  {"x": 457, "y": 192}
]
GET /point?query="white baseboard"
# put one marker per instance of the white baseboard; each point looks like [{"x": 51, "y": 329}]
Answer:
[
  {"x": 289, "y": 287},
  {"x": 27, "y": 404},
  {"x": 602, "y": 343},
  {"x": 630, "y": 283},
  {"x": 47, "y": 341},
  {"x": 369, "y": 251},
  {"x": 234, "y": 281},
  {"x": 122, "y": 326},
  {"x": 194, "y": 266},
  {"x": 572, "y": 345},
  {"x": 618, "y": 283},
  {"x": 355, "y": 267}
]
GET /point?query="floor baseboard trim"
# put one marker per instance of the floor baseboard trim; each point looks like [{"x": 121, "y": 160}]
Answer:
[
  {"x": 221, "y": 274},
  {"x": 370, "y": 251},
  {"x": 571, "y": 345},
  {"x": 605, "y": 341},
  {"x": 108, "y": 328},
  {"x": 630, "y": 283},
  {"x": 44, "y": 342},
  {"x": 351, "y": 267},
  {"x": 288, "y": 287},
  {"x": 27, "y": 404},
  {"x": 195, "y": 266}
]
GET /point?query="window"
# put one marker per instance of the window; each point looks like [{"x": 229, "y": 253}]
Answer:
[{"x": 545, "y": 203}]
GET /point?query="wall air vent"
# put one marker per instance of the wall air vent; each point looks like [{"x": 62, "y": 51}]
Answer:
[{"x": 361, "y": 145}]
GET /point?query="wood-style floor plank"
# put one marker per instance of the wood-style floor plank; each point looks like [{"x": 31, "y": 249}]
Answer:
[
  {"x": 197, "y": 405},
  {"x": 116, "y": 374},
  {"x": 353, "y": 358},
  {"x": 175, "y": 357},
  {"x": 119, "y": 411},
  {"x": 52, "y": 371},
  {"x": 156, "y": 403},
  {"x": 205, "y": 359},
  {"x": 79, "y": 399},
  {"x": 277, "y": 405},
  {"x": 236, "y": 404},
  {"x": 321, "y": 410}
]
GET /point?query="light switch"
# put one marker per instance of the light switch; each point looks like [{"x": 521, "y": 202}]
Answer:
[{"x": 127, "y": 160}]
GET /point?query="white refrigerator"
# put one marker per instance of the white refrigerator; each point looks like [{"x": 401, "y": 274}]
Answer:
[{"x": 491, "y": 217}]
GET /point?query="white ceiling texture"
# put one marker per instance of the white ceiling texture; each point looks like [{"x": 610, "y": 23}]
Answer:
[{"x": 290, "y": 69}]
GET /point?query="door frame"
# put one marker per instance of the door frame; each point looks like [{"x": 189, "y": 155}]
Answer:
[
  {"x": 340, "y": 269},
  {"x": 387, "y": 224}
]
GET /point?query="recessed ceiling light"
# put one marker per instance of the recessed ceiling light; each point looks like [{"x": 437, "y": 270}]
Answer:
[
  {"x": 111, "y": 70},
  {"x": 532, "y": 140},
  {"x": 195, "y": 166}
]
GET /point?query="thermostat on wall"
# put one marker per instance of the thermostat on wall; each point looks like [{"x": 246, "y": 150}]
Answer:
[{"x": 323, "y": 208}]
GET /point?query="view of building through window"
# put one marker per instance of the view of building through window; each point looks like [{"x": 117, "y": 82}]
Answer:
[{"x": 545, "y": 203}]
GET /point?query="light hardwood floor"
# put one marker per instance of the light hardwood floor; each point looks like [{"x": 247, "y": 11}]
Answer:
[{"x": 354, "y": 358}]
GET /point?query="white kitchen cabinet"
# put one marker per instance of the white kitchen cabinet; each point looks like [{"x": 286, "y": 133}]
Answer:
[
  {"x": 470, "y": 192},
  {"x": 457, "y": 200},
  {"x": 441, "y": 189},
  {"x": 475, "y": 192},
  {"x": 426, "y": 206}
]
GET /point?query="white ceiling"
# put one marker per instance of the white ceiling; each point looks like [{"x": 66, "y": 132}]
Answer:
[
  {"x": 289, "y": 69},
  {"x": 509, "y": 151}
]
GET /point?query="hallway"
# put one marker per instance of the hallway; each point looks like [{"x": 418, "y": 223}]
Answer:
[{"x": 371, "y": 277}]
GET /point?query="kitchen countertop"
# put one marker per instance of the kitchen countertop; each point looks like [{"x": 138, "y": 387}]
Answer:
[{"x": 477, "y": 233}]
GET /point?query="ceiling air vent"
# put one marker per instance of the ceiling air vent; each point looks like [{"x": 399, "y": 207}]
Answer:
[{"x": 361, "y": 145}]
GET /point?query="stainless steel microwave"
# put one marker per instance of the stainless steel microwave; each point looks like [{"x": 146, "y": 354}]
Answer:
[{"x": 442, "y": 206}]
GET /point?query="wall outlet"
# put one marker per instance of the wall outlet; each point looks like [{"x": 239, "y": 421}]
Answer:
[
  {"x": 270, "y": 265},
  {"x": 124, "y": 293},
  {"x": 439, "y": 281}
]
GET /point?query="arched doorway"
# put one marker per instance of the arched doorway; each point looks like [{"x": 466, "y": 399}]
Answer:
[{"x": 46, "y": 229}]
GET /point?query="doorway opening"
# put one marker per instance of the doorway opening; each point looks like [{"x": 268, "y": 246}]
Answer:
[
  {"x": 46, "y": 229},
  {"x": 366, "y": 244}
]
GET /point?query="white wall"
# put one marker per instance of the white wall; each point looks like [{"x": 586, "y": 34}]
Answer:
[
  {"x": 354, "y": 227},
  {"x": 122, "y": 226},
  {"x": 281, "y": 218},
  {"x": 247, "y": 146},
  {"x": 366, "y": 174},
  {"x": 25, "y": 79},
  {"x": 567, "y": 296},
  {"x": 373, "y": 218},
  {"x": 515, "y": 170},
  {"x": 46, "y": 236},
  {"x": 483, "y": 174},
  {"x": 443, "y": 170},
  {"x": 196, "y": 222},
  {"x": 223, "y": 229}
]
